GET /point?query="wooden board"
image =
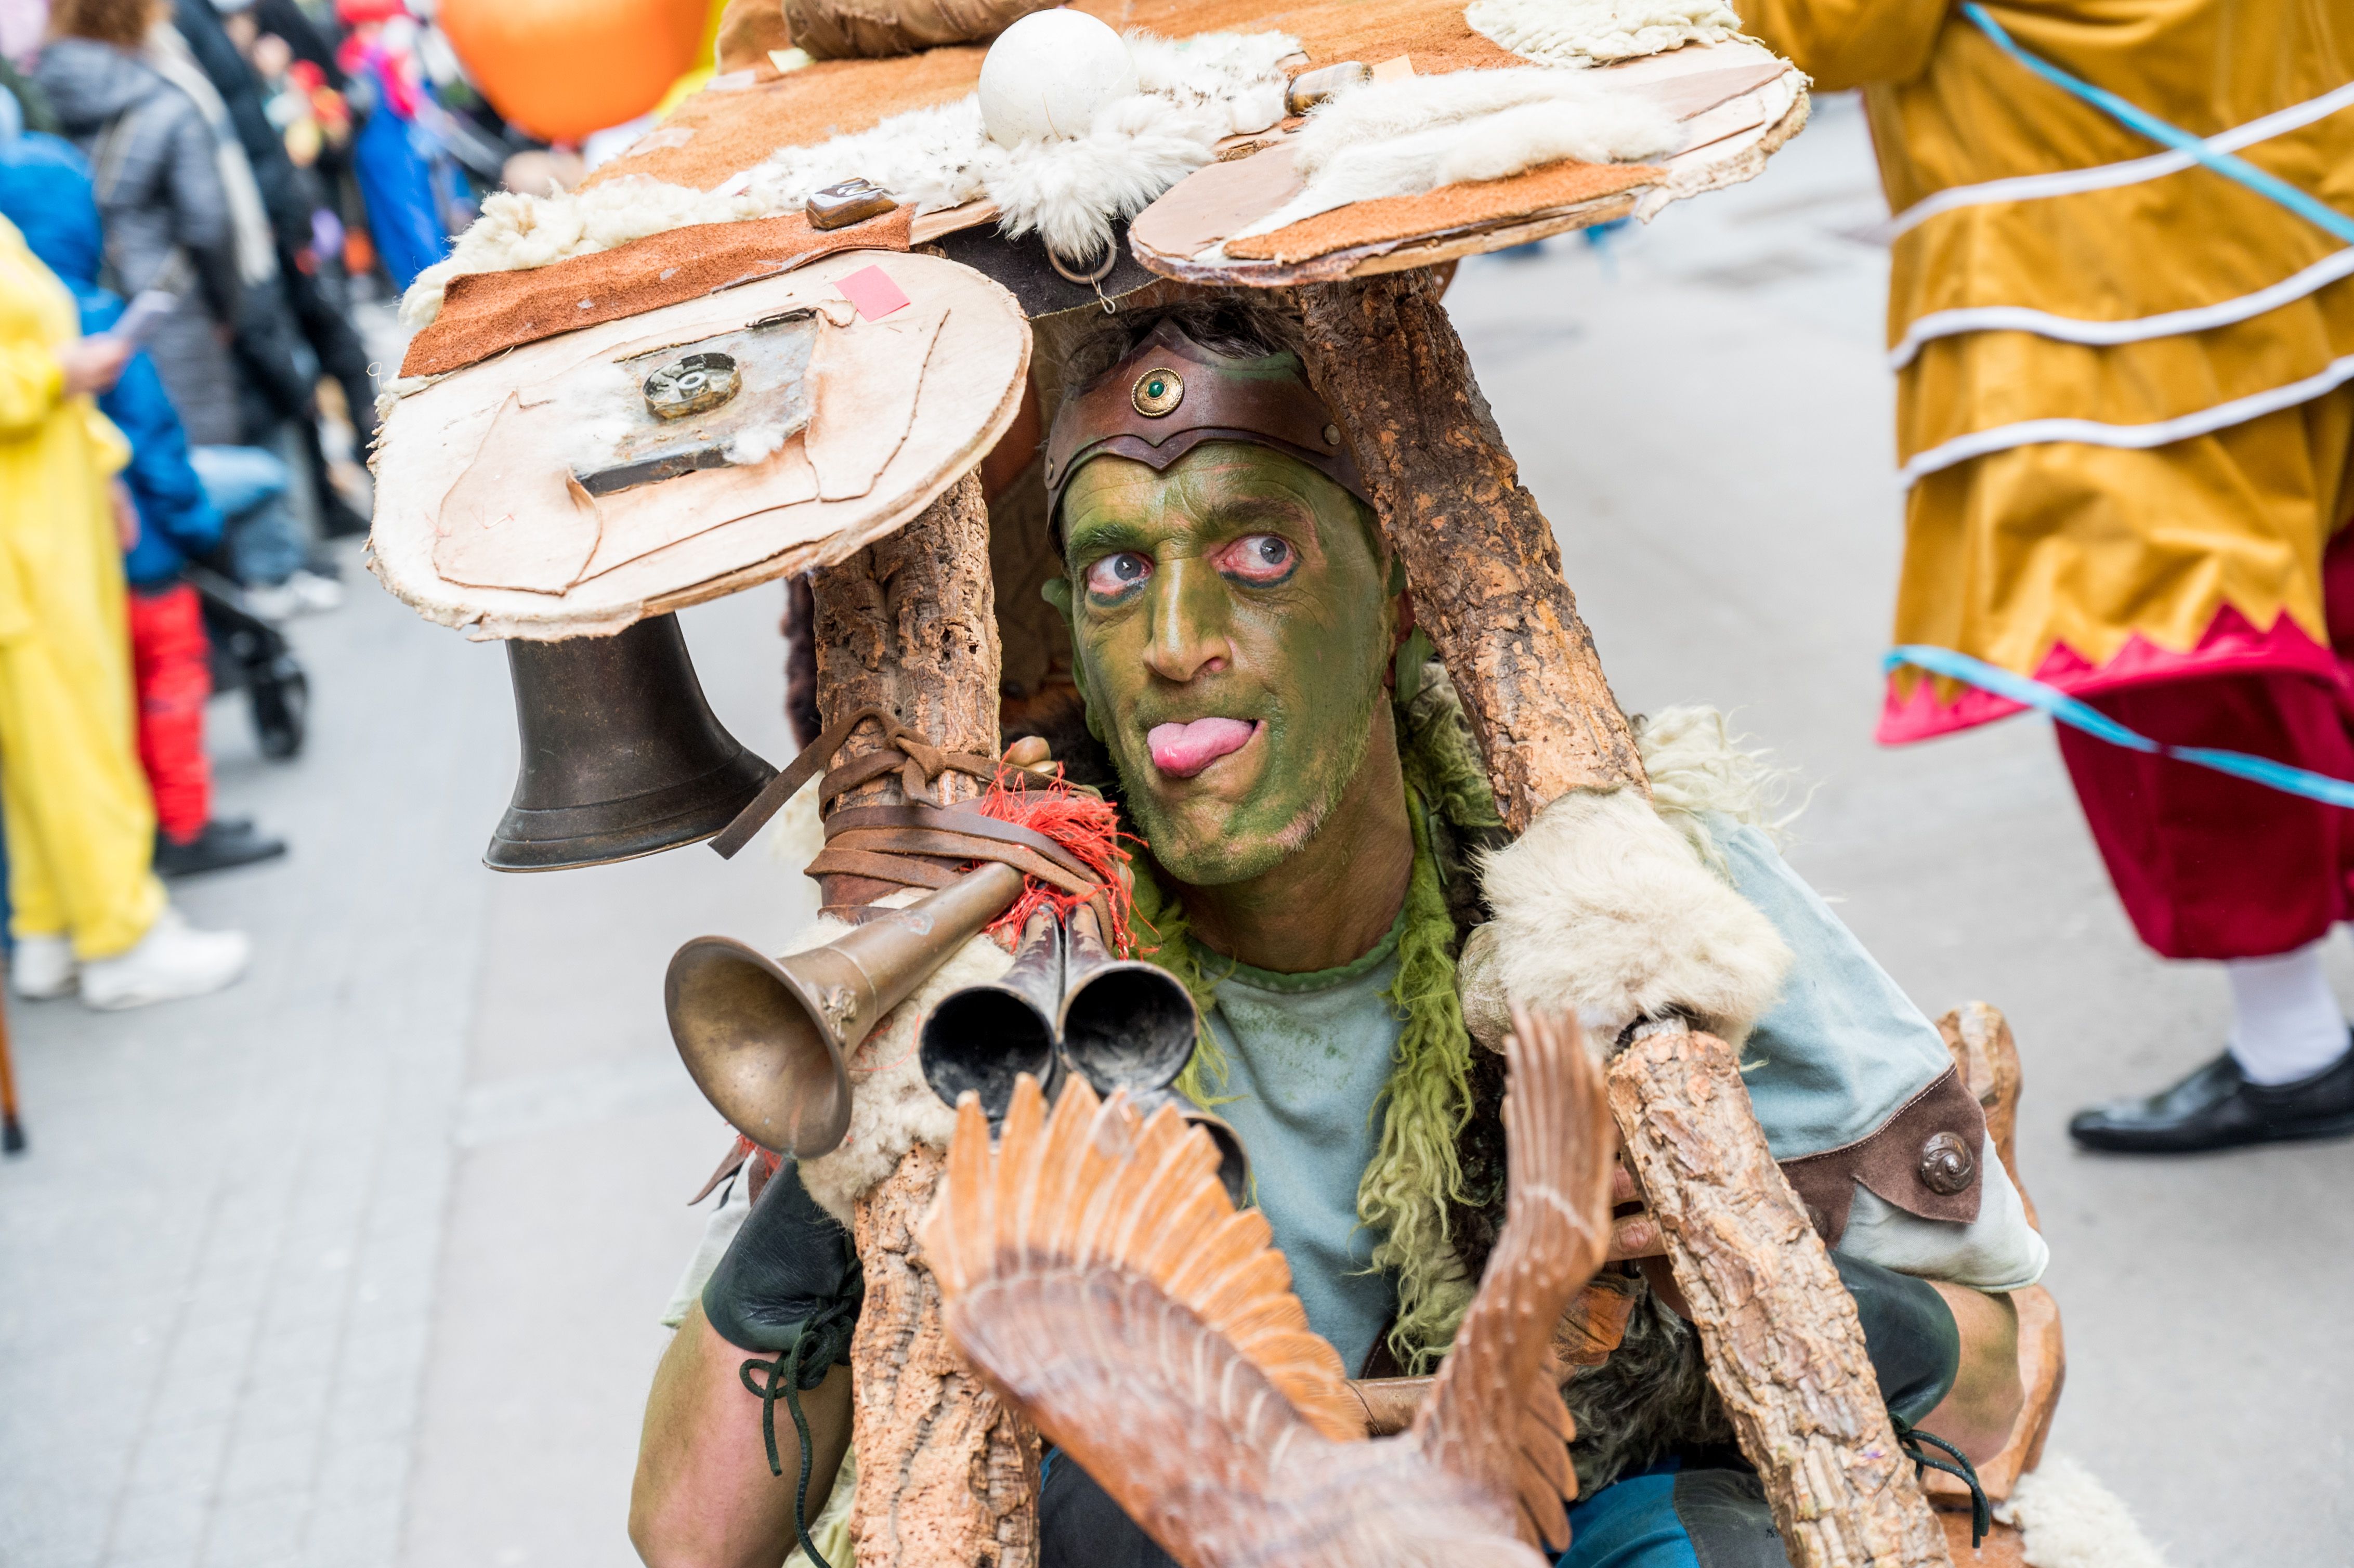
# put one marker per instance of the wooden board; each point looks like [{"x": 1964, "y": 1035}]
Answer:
[
  {"x": 727, "y": 528},
  {"x": 1739, "y": 100}
]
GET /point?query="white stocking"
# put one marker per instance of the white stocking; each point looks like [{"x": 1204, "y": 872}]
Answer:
[{"x": 2286, "y": 1024}]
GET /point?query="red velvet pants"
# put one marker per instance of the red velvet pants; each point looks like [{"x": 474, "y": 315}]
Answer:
[
  {"x": 2211, "y": 867},
  {"x": 171, "y": 664}
]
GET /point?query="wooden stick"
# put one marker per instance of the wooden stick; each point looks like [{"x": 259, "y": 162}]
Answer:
[
  {"x": 947, "y": 1473},
  {"x": 1784, "y": 1347},
  {"x": 1480, "y": 558}
]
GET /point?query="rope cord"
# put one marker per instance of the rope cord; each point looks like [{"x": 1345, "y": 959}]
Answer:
[
  {"x": 829, "y": 1329},
  {"x": 2076, "y": 713},
  {"x": 1910, "y": 1438},
  {"x": 2134, "y": 117}
]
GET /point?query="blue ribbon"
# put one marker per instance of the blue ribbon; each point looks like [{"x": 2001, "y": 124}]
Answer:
[
  {"x": 2157, "y": 130},
  {"x": 2030, "y": 693}
]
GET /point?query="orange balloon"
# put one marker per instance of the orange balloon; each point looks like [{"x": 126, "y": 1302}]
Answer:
[{"x": 561, "y": 68}]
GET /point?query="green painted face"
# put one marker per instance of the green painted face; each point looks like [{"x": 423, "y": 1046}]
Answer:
[{"x": 1232, "y": 622}]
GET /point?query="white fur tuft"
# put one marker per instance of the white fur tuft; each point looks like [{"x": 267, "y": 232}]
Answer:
[
  {"x": 1193, "y": 93},
  {"x": 892, "y": 1109},
  {"x": 2068, "y": 1519},
  {"x": 1596, "y": 32},
  {"x": 1603, "y": 907},
  {"x": 1697, "y": 767},
  {"x": 1417, "y": 133}
]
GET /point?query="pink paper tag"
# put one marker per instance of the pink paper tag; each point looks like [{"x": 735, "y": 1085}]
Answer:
[{"x": 873, "y": 291}]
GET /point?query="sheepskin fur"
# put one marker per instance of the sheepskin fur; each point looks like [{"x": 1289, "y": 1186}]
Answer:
[
  {"x": 1699, "y": 768},
  {"x": 2068, "y": 1519},
  {"x": 1191, "y": 92},
  {"x": 1604, "y": 907},
  {"x": 1596, "y": 32},
  {"x": 1416, "y": 134},
  {"x": 892, "y": 1109}
]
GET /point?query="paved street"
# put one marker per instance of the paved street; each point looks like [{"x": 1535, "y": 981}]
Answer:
[{"x": 360, "y": 1263}]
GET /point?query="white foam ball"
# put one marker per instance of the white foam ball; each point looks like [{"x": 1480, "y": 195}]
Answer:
[{"x": 1048, "y": 75}]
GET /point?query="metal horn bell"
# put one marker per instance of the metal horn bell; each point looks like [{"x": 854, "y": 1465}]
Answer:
[
  {"x": 768, "y": 1039},
  {"x": 621, "y": 755},
  {"x": 985, "y": 1037}
]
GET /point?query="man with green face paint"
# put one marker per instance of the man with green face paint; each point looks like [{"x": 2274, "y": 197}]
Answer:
[
  {"x": 1237, "y": 623},
  {"x": 1324, "y": 868}
]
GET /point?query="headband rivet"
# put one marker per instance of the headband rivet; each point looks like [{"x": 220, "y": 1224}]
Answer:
[
  {"x": 1157, "y": 392},
  {"x": 1331, "y": 435}
]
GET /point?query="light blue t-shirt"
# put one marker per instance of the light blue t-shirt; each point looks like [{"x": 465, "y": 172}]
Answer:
[{"x": 1306, "y": 1057}]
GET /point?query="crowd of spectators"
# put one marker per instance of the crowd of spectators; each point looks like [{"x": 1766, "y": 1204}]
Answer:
[{"x": 196, "y": 195}]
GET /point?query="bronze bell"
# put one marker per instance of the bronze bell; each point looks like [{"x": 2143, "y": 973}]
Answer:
[
  {"x": 768, "y": 1039},
  {"x": 622, "y": 756}
]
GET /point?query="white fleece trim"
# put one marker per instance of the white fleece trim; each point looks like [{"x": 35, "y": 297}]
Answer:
[
  {"x": 2068, "y": 1519},
  {"x": 2158, "y": 433},
  {"x": 2138, "y": 329},
  {"x": 1417, "y": 134},
  {"x": 892, "y": 1109},
  {"x": 1192, "y": 94},
  {"x": 1603, "y": 907},
  {"x": 1596, "y": 32},
  {"x": 2132, "y": 171}
]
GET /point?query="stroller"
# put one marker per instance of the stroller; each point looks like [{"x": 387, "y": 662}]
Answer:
[{"x": 251, "y": 655}]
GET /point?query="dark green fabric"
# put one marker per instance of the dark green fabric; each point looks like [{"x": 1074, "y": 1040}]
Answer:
[
  {"x": 1914, "y": 1344},
  {"x": 790, "y": 1262}
]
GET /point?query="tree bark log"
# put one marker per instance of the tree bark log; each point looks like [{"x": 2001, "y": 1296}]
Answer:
[
  {"x": 1480, "y": 560},
  {"x": 947, "y": 1474},
  {"x": 909, "y": 625},
  {"x": 1784, "y": 1347}
]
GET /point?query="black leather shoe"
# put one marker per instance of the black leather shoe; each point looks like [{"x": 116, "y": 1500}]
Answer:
[
  {"x": 2215, "y": 1107},
  {"x": 220, "y": 847}
]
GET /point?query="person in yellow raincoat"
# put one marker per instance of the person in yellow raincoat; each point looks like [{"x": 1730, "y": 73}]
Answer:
[
  {"x": 2122, "y": 317},
  {"x": 86, "y": 908}
]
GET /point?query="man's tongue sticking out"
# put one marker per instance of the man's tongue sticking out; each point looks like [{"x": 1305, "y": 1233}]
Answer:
[{"x": 1182, "y": 750}]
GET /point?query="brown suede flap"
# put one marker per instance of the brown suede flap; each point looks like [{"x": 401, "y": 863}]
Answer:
[
  {"x": 484, "y": 313},
  {"x": 1892, "y": 1161}
]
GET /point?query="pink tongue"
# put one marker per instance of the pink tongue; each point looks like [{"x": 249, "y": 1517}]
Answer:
[{"x": 1184, "y": 749}]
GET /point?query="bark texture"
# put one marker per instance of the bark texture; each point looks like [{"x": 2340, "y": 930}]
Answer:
[
  {"x": 1784, "y": 1347},
  {"x": 947, "y": 1474},
  {"x": 909, "y": 625},
  {"x": 1480, "y": 560}
]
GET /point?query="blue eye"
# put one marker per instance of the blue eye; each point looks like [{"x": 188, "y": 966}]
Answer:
[
  {"x": 1116, "y": 574},
  {"x": 1259, "y": 558}
]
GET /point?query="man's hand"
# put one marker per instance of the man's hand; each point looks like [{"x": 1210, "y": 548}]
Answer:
[{"x": 93, "y": 364}]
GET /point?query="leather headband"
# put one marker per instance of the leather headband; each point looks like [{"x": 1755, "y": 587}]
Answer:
[{"x": 1171, "y": 394}]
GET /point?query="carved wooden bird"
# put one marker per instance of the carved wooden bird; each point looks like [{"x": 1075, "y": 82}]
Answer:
[{"x": 1097, "y": 1273}]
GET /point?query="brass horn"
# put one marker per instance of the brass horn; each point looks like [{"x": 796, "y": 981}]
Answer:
[
  {"x": 621, "y": 755},
  {"x": 985, "y": 1037},
  {"x": 766, "y": 1040}
]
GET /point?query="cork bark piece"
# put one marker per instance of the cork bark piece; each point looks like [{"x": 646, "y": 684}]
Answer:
[
  {"x": 711, "y": 531},
  {"x": 1480, "y": 560},
  {"x": 947, "y": 1473},
  {"x": 1784, "y": 1347},
  {"x": 483, "y": 314},
  {"x": 1553, "y": 188}
]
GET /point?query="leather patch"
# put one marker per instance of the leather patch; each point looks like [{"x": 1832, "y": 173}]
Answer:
[
  {"x": 1928, "y": 1159},
  {"x": 483, "y": 314}
]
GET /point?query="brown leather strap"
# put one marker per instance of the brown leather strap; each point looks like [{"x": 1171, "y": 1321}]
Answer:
[
  {"x": 1074, "y": 875},
  {"x": 915, "y": 759},
  {"x": 1927, "y": 1158},
  {"x": 917, "y": 843}
]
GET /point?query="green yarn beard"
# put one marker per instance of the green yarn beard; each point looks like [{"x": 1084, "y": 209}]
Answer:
[{"x": 1416, "y": 1172}]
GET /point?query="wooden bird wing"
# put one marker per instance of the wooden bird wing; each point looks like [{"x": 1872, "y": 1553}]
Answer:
[
  {"x": 1494, "y": 1413},
  {"x": 1098, "y": 1276}
]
